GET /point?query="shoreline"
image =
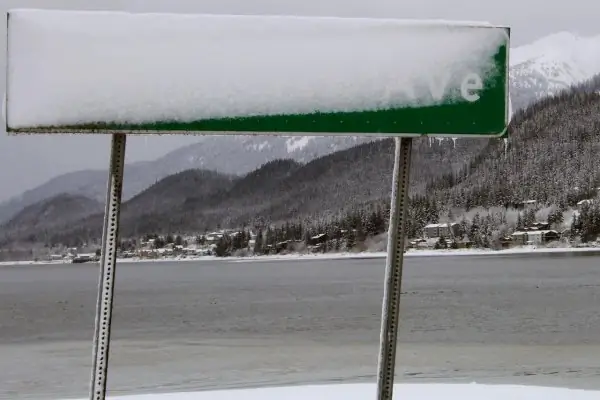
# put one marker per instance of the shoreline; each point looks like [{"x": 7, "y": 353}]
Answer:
[{"x": 342, "y": 255}]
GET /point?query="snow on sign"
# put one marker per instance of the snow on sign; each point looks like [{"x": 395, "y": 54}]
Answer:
[{"x": 116, "y": 72}]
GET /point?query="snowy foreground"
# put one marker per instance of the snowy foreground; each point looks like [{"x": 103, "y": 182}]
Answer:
[
  {"x": 338, "y": 256},
  {"x": 367, "y": 391}
]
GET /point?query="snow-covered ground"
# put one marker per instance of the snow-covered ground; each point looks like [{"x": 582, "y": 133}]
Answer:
[
  {"x": 337, "y": 256},
  {"x": 367, "y": 391}
]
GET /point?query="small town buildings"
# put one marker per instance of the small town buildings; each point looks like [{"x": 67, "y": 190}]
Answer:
[
  {"x": 519, "y": 238},
  {"x": 447, "y": 230},
  {"x": 318, "y": 239},
  {"x": 534, "y": 237}
]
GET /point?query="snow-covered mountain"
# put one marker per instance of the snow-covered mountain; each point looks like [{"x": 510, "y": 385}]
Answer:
[
  {"x": 227, "y": 154},
  {"x": 541, "y": 68},
  {"x": 551, "y": 64}
]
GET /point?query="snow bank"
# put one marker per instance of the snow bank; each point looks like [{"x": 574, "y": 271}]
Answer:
[
  {"x": 78, "y": 67},
  {"x": 415, "y": 253},
  {"x": 367, "y": 391}
]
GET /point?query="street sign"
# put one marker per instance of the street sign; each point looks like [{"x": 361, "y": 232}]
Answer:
[{"x": 116, "y": 72}]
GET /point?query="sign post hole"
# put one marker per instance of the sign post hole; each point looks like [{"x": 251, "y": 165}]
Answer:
[{"x": 164, "y": 74}]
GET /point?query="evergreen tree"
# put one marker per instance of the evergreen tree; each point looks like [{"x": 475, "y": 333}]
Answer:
[
  {"x": 441, "y": 243},
  {"x": 529, "y": 218},
  {"x": 223, "y": 246},
  {"x": 258, "y": 243},
  {"x": 178, "y": 240},
  {"x": 350, "y": 239},
  {"x": 574, "y": 228},
  {"x": 337, "y": 244},
  {"x": 520, "y": 226}
]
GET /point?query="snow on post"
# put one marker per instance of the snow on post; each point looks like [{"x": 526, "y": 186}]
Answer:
[{"x": 106, "y": 72}]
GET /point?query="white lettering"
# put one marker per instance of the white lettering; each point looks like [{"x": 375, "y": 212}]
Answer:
[
  {"x": 438, "y": 88},
  {"x": 469, "y": 87}
]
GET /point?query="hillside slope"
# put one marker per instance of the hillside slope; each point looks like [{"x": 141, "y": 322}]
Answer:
[
  {"x": 226, "y": 154},
  {"x": 51, "y": 214},
  {"x": 552, "y": 157}
]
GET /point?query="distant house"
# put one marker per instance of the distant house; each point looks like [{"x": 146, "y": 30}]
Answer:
[
  {"x": 535, "y": 237},
  {"x": 551, "y": 236},
  {"x": 318, "y": 239},
  {"x": 539, "y": 225},
  {"x": 280, "y": 246},
  {"x": 525, "y": 205},
  {"x": 519, "y": 238},
  {"x": 447, "y": 230},
  {"x": 213, "y": 237}
]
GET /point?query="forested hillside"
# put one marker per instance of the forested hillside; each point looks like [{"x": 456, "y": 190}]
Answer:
[
  {"x": 278, "y": 191},
  {"x": 552, "y": 157},
  {"x": 51, "y": 215}
]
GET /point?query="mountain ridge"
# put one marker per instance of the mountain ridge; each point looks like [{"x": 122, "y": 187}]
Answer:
[{"x": 277, "y": 191}]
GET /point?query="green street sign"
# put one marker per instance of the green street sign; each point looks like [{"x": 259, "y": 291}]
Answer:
[{"x": 218, "y": 74}]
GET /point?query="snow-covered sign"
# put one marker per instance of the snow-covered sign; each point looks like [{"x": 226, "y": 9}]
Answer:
[{"x": 109, "y": 72}]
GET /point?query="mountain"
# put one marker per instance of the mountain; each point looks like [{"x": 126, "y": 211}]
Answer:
[
  {"x": 542, "y": 68},
  {"x": 35, "y": 221},
  {"x": 193, "y": 201},
  {"x": 550, "y": 65},
  {"x": 225, "y": 154},
  {"x": 51, "y": 214}
]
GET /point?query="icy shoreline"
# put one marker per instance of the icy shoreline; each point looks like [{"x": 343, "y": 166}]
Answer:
[{"x": 338, "y": 256}]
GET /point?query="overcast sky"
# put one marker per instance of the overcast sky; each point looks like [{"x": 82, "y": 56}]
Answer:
[{"x": 29, "y": 161}]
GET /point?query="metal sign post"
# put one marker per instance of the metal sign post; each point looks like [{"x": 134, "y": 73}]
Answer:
[
  {"x": 108, "y": 258},
  {"x": 393, "y": 270}
]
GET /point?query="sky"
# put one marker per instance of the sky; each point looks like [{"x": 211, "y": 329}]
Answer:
[{"x": 32, "y": 160}]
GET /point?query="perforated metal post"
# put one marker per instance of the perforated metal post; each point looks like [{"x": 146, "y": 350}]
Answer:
[
  {"x": 393, "y": 270},
  {"x": 108, "y": 259}
]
